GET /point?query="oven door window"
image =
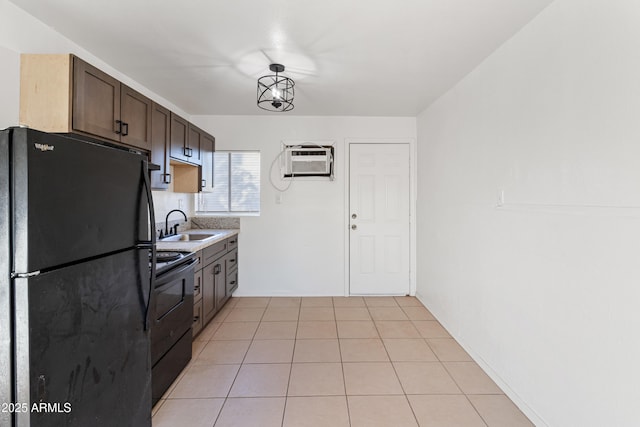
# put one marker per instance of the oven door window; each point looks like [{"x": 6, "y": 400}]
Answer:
[{"x": 169, "y": 296}]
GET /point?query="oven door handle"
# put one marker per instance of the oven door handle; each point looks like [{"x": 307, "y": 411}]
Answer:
[{"x": 176, "y": 272}]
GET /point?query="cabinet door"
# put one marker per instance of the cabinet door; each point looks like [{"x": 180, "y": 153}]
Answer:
[
  {"x": 220, "y": 284},
  {"x": 232, "y": 282},
  {"x": 135, "y": 113},
  {"x": 207, "y": 147},
  {"x": 197, "y": 286},
  {"x": 197, "y": 318},
  {"x": 194, "y": 153},
  {"x": 231, "y": 264},
  {"x": 96, "y": 101},
  {"x": 231, "y": 260},
  {"x": 160, "y": 146},
  {"x": 179, "y": 137},
  {"x": 208, "y": 292}
]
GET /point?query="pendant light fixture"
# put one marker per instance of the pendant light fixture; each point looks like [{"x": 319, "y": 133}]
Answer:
[{"x": 275, "y": 93}]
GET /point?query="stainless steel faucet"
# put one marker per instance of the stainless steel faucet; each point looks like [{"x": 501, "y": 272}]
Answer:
[{"x": 167, "y": 231}]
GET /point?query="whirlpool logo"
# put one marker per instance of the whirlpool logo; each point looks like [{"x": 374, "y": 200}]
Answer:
[{"x": 44, "y": 147}]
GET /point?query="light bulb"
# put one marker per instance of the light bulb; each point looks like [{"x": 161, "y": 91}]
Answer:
[{"x": 277, "y": 95}]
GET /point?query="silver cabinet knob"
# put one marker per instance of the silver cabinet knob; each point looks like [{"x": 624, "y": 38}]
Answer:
[
  {"x": 353, "y": 227},
  {"x": 354, "y": 216}
]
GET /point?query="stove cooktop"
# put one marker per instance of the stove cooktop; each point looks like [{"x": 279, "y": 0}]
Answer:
[
  {"x": 166, "y": 260},
  {"x": 162, "y": 256}
]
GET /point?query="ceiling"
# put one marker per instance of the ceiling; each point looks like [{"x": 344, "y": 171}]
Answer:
[{"x": 347, "y": 57}]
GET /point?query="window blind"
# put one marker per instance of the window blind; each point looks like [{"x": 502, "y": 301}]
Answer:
[{"x": 236, "y": 184}]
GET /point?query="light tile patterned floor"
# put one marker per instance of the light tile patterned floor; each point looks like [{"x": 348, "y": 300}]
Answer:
[{"x": 331, "y": 362}]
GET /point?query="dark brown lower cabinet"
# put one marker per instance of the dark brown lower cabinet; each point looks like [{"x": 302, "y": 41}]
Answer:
[
  {"x": 220, "y": 283},
  {"x": 215, "y": 282},
  {"x": 208, "y": 292},
  {"x": 198, "y": 318}
]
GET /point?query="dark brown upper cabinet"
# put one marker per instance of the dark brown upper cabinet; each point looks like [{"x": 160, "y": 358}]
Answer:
[
  {"x": 185, "y": 141},
  {"x": 160, "y": 146},
  {"x": 195, "y": 136},
  {"x": 135, "y": 115},
  {"x": 179, "y": 138},
  {"x": 96, "y": 101},
  {"x": 207, "y": 147},
  {"x": 62, "y": 93}
]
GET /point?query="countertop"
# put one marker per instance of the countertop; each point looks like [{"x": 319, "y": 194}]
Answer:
[{"x": 196, "y": 245}]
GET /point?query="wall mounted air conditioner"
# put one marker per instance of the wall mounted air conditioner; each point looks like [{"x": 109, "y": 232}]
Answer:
[{"x": 308, "y": 160}]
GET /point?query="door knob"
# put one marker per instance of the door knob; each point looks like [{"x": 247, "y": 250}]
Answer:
[{"x": 353, "y": 227}]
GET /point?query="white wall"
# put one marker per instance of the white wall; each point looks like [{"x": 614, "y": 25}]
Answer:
[
  {"x": 22, "y": 33},
  {"x": 166, "y": 201},
  {"x": 297, "y": 247},
  {"x": 544, "y": 290},
  {"x": 9, "y": 87}
]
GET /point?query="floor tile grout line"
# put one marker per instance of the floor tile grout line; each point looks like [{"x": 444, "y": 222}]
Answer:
[
  {"x": 452, "y": 378},
  {"x": 426, "y": 340},
  {"x": 286, "y": 393},
  {"x": 344, "y": 378},
  {"x": 423, "y": 338},
  {"x": 476, "y": 410},
  {"x": 226, "y": 398},
  {"x": 239, "y": 367},
  {"x": 295, "y": 342},
  {"x": 404, "y": 393},
  {"x": 396, "y": 372}
]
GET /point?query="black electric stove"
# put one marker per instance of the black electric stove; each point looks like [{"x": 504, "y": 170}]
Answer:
[{"x": 171, "y": 318}]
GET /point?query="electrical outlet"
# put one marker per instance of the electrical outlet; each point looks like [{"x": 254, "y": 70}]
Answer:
[{"x": 279, "y": 199}]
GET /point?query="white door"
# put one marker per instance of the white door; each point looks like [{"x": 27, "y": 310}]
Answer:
[{"x": 379, "y": 203}]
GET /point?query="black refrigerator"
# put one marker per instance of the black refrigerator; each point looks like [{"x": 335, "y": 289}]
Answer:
[{"x": 75, "y": 282}]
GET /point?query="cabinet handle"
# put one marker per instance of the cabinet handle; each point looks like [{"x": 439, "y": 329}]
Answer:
[
  {"x": 196, "y": 318},
  {"x": 233, "y": 282},
  {"x": 232, "y": 260},
  {"x": 185, "y": 151},
  {"x": 118, "y": 127},
  {"x": 217, "y": 269},
  {"x": 232, "y": 241},
  {"x": 167, "y": 178},
  {"x": 125, "y": 127},
  {"x": 204, "y": 183}
]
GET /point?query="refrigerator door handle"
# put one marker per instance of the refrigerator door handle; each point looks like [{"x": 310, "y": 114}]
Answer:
[
  {"x": 25, "y": 275},
  {"x": 151, "y": 243}
]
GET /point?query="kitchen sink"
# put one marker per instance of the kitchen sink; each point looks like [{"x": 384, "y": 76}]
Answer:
[{"x": 189, "y": 237}]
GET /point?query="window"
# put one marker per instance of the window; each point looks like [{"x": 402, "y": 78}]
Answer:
[{"x": 236, "y": 186}]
